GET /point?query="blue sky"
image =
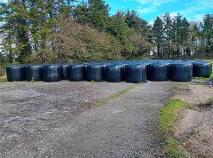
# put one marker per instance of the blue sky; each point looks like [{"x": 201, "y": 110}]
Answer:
[{"x": 193, "y": 10}]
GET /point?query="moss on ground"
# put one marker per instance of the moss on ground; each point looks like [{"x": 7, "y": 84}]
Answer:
[{"x": 169, "y": 115}]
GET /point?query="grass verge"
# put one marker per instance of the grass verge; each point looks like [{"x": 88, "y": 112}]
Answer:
[
  {"x": 116, "y": 95},
  {"x": 169, "y": 116}
]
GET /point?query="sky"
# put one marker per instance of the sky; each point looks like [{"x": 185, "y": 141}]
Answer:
[{"x": 193, "y": 10}]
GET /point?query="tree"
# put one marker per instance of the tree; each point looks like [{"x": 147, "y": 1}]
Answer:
[
  {"x": 15, "y": 26},
  {"x": 158, "y": 33},
  {"x": 180, "y": 34},
  {"x": 208, "y": 32},
  {"x": 167, "y": 43},
  {"x": 95, "y": 14}
]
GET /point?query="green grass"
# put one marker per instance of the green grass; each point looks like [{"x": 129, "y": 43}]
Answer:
[
  {"x": 116, "y": 95},
  {"x": 172, "y": 149},
  {"x": 169, "y": 115},
  {"x": 93, "y": 82},
  {"x": 203, "y": 78}
]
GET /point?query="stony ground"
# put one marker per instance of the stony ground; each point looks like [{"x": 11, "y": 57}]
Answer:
[
  {"x": 64, "y": 120},
  {"x": 103, "y": 120},
  {"x": 195, "y": 129}
]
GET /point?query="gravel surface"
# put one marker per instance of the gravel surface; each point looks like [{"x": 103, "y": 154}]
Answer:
[{"x": 60, "y": 119}]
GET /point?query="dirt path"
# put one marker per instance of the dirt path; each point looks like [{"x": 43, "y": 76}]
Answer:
[
  {"x": 195, "y": 129},
  {"x": 59, "y": 119}
]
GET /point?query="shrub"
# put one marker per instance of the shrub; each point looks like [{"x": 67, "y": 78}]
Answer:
[{"x": 77, "y": 42}]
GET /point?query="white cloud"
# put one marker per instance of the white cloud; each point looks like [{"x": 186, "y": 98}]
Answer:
[
  {"x": 147, "y": 9},
  {"x": 195, "y": 10},
  {"x": 150, "y": 6},
  {"x": 153, "y": 2}
]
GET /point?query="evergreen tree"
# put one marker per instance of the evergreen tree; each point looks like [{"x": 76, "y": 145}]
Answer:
[
  {"x": 180, "y": 34},
  {"x": 208, "y": 32},
  {"x": 167, "y": 44},
  {"x": 158, "y": 33},
  {"x": 15, "y": 26},
  {"x": 95, "y": 14}
]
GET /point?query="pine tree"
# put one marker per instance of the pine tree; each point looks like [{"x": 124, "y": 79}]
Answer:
[
  {"x": 158, "y": 33},
  {"x": 15, "y": 27},
  {"x": 208, "y": 32},
  {"x": 167, "y": 43},
  {"x": 95, "y": 14}
]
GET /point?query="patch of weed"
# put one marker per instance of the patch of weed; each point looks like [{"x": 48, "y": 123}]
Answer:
[
  {"x": 169, "y": 114},
  {"x": 172, "y": 149}
]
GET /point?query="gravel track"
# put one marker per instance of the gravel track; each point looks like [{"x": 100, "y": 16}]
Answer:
[{"x": 60, "y": 120}]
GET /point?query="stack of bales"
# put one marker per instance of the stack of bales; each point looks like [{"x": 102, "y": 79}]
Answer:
[{"x": 115, "y": 71}]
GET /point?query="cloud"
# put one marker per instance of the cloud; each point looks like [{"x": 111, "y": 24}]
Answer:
[
  {"x": 195, "y": 10},
  {"x": 150, "y": 6},
  {"x": 147, "y": 10},
  {"x": 153, "y": 2}
]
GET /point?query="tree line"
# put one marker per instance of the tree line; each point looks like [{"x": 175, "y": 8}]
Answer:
[{"x": 38, "y": 31}]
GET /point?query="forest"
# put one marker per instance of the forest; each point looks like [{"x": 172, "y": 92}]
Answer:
[{"x": 51, "y": 31}]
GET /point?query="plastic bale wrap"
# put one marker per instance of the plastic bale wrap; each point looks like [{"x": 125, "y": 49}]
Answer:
[
  {"x": 194, "y": 73},
  {"x": 115, "y": 73},
  {"x": 65, "y": 71},
  {"x": 16, "y": 73},
  {"x": 136, "y": 73},
  {"x": 202, "y": 69},
  {"x": 106, "y": 64},
  {"x": 86, "y": 64},
  {"x": 182, "y": 72},
  {"x": 95, "y": 72},
  {"x": 159, "y": 72},
  {"x": 34, "y": 72},
  {"x": 76, "y": 72},
  {"x": 148, "y": 71},
  {"x": 53, "y": 73}
]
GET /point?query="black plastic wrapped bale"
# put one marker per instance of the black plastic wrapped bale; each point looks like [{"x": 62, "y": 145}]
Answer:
[
  {"x": 148, "y": 71},
  {"x": 202, "y": 69},
  {"x": 159, "y": 72},
  {"x": 115, "y": 73},
  {"x": 16, "y": 73},
  {"x": 76, "y": 72},
  {"x": 182, "y": 72},
  {"x": 53, "y": 73},
  {"x": 65, "y": 71},
  {"x": 34, "y": 72},
  {"x": 194, "y": 74},
  {"x": 95, "y": 72},
  {"x": 136, "y": 73}
]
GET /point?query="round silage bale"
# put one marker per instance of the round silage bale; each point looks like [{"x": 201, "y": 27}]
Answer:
[
  {"x": 53, "y": 73},
  {"x": 34, "y": 72},
  {"x": 115, "y": 73},
  {"x": 95, "y": 72},
  {"x": 65, "y": 71},
  {"x": 159, "y": 72},
  {"x": 182, "y": 72},
  {"x": 202, "y": 69},
  {"x": 136, "y": 73},
  {"x": 76, "y": 72},
  {"x": 16, "y": 73}
]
